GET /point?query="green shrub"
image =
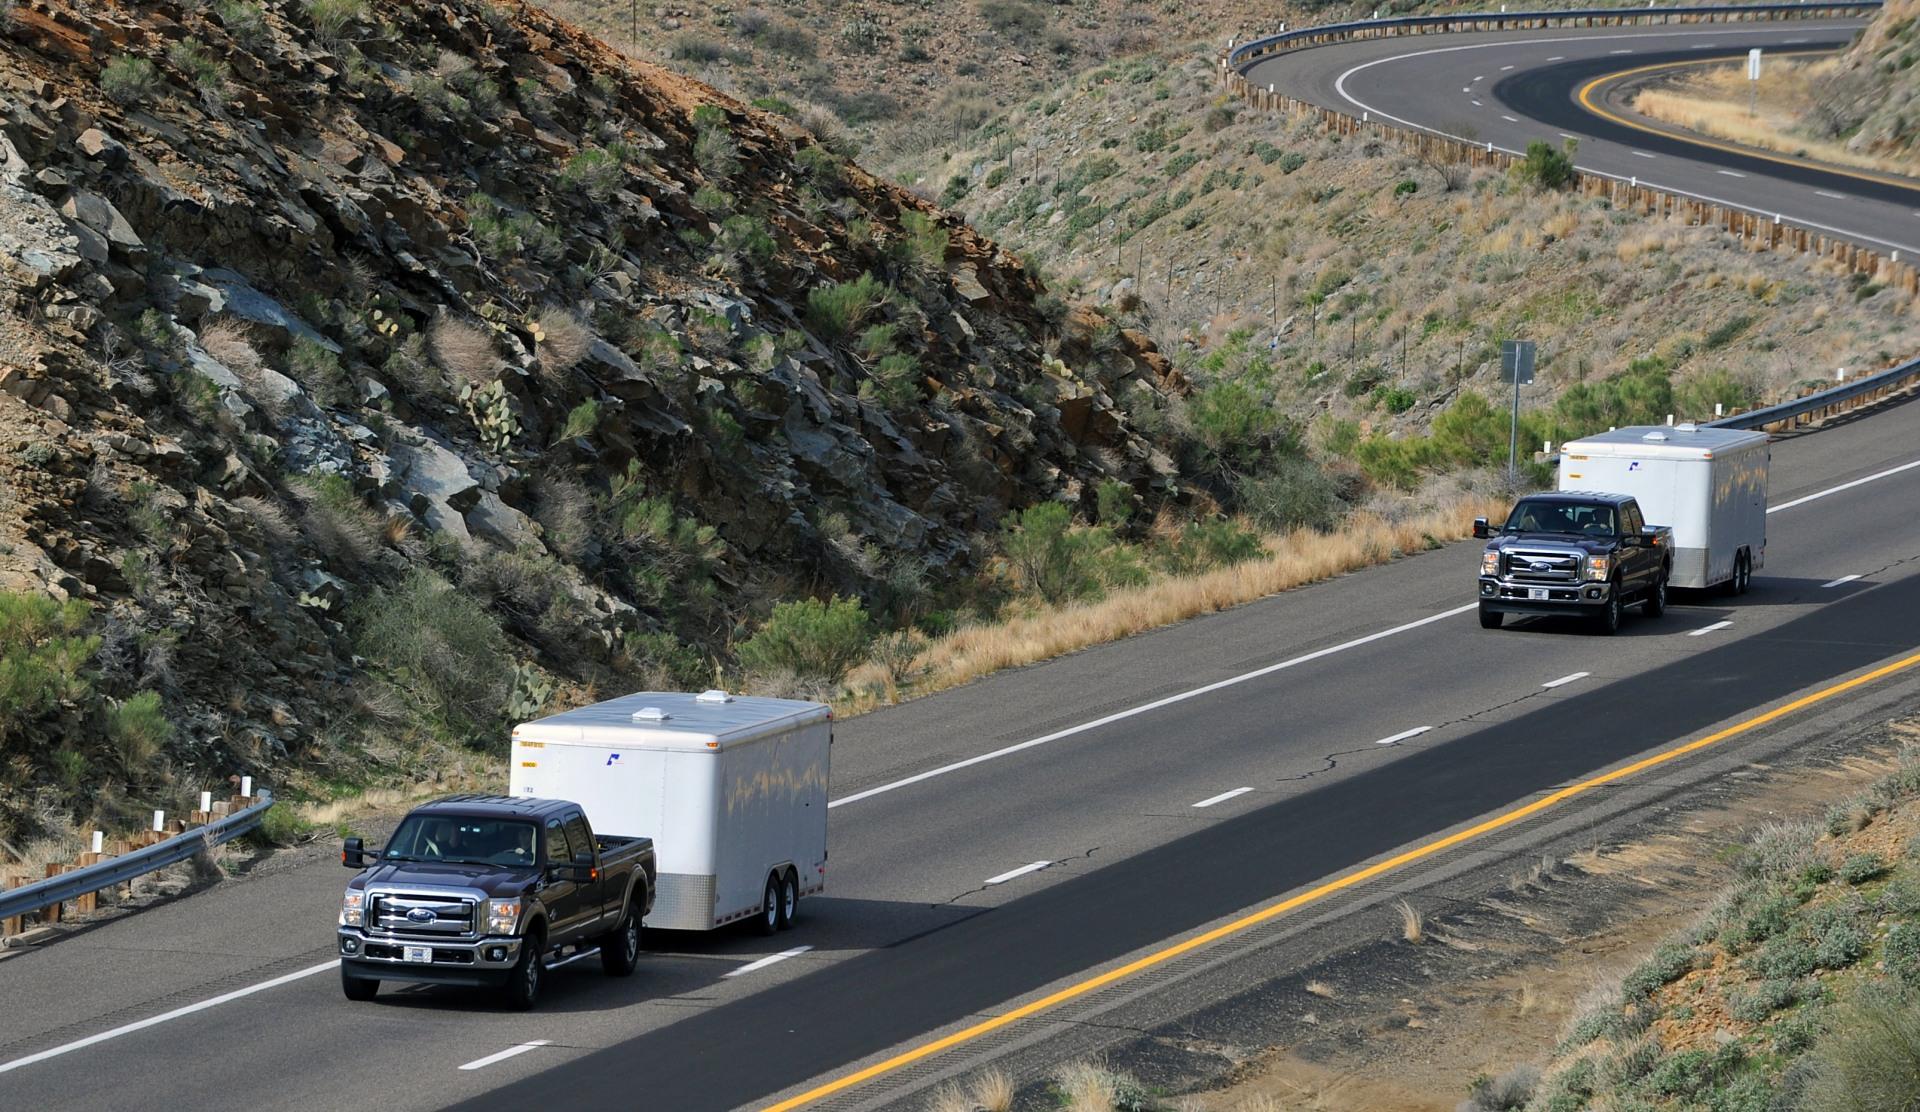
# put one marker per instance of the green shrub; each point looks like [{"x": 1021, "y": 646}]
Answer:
[
  {"x": 923, "y": 243},
  {"x": 1693, "y": 1072},
  {"x": 318, "y": 369},
  {"x": 331, "y": 18},
  {"x": 1862, "y": 867},
  {"x": 1406, "y": 188},
  {"x": 582, "y": 419},
  {"x": 593, "y": 171},
  {"x": 202, "y": 68},
  {"x": 42, "y": 656},
  {"x": 246, "y": 21},
  {"x": 893, "y": 381},
  {"x": 1901, "y": 952},
  {"x": 503, "y": 235},
  {"x": 1202, "y": 545},
  {"x": 1779, "y": 850},
  {"x": 1291, "y": 161},
  {"x": 839, "y": 308},
  {"x": 1236, "y": 430},
  {"x": 1670, "y": 961},
  {"x": 1295, "y": 493},
  {"x": 282, "y": 826},
  {"x": 138, "y": 729},
  {"x": 692, "y": 46},
  {"x": 716, "y": 152},
  {"x": 955, "y": 189},
  {"x": 1762, "y": 1000},
  {"x": 442, "y": 650},
  {"x": 1060, "y": 562},
  {"x": 1761, "y": 916},
  {"x": 1837, "y": 939},
  {"x": 129, "y": 81},
  {"x": 1544, "y": 167},
  {"x": 1785, "y": 955},
  {"x": 813, "y": 640},
  {"x": 995, "y": 177},
  {"x": 1014, "y": 18},
  {"x": 1869, "y": 1058}
]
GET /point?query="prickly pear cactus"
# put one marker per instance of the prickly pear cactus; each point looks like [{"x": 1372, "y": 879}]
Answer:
[{"x": 492, "y": 412}]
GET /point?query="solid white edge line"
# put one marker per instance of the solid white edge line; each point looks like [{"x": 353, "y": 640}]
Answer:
[
  {"x": 1405, "y": 734},
  {"x": 154, "y": 1021},
  {"x": 1839, "y": 581},
  {"x": 1223, "y": 797},
  {"x": 1875, "y": 477},
  {"x": 1564, "y": 680},
  {"x": 1340, "y": 87},
  {"x": 1021, "y": 871},
  {"x": 768, "y": 960},
  {"x": 1708, "y": 628},
  {"x": 482, "y": 1063},
  {"x": 1170, "y": 700}
]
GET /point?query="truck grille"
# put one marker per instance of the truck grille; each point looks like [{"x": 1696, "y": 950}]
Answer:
[
  {"x": 1524, "y": 566},
  {"x": 420, "y": 915}
]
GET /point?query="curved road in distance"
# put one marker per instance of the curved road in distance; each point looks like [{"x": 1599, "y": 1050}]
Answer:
[
  {"x": 1510, "y": 88},
  {"x": 1321, "y": 727}
]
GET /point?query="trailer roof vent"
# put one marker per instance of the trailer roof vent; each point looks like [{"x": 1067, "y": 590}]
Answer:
[
  {"x": 1657, "y": 434},
  {"x": 713, "y": 695},
  {"x": 1686, "y": 426},
  {"x": 650, "y": 714}
]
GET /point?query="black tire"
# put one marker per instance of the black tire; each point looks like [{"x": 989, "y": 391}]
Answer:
[
  {"x": 1657, "y": 597},
  {"x": 529, "y": 975},
  {"x": 359, "y": 989},
  {"x": 789, "y": 899},
  {"x": 1490, "y": 619},
  {"x": 620, "y": 947},
  {"x": 1610, "y": 614},
  {"x": 769, "y": 918},
  {"x": 1743, "y": 573}
]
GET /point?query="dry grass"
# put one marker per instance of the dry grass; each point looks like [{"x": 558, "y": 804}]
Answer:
[
  {"x": 464, "y": 350},
  {"x": 1413, "y": 925},
  {"x": 231, "y": 343},
  {"x": 993, "y": 1091},
  {"x": 563, "y": 341},
  {"x": 1714, "y": 102},
  {"x": 270, "y": 519},
  {"x": 1321, "y": 989},
  {"x": 1086, "y": 1087},
  {"x": 1292, "y": 560}
]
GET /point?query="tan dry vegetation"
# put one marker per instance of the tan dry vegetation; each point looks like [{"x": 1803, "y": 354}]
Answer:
[
  {"x": 463, "y": 350},
  {"x": 1291, "y": 560},
  {"x": 1713, "y": 101}
]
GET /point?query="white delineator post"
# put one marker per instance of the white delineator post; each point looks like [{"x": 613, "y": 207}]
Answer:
[
  {"x": 246, "y": 786},
  {"x": 99, "y": 841},
  {"x": 159, "y": 821},
  {"x": 206, "y": 801}
]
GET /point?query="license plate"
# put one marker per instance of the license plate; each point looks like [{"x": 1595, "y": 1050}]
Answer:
[
  {"x": 1537, "y": 593},
  {"x": 421, "y": 954}
]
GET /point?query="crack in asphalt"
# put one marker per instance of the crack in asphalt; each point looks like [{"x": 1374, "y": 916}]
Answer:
[
  {"x": 1332, "y": 760},
  {"x": 951, "y": 900}
]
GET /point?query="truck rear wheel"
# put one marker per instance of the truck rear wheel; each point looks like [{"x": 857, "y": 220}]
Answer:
[
  {"x": 528, "y": 975},
  {"x": 1490, "y": 619},
  {"x": 769, "y": 920},
  {"x": 620, "y": 950},
  {"x": 789, "y": 899},
  {"x": 357, "y": 988}
]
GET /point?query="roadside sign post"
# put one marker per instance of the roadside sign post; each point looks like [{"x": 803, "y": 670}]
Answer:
[
  {"x": 1753, "y": 80},
  {"x": 1516, "y": 366}
]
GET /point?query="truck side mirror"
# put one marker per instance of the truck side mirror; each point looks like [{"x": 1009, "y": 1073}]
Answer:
[
  {"x": 1480, "y": 530},
  {"x": 353, "y": 853},
  {"x": 579, "y": 870}
]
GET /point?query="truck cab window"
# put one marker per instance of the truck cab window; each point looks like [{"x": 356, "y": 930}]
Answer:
[
  {"x": 557, "y": 851},
  {"x": 577, "y": 834}
]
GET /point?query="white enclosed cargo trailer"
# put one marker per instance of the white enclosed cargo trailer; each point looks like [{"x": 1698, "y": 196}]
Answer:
[
  {"x": 732, "y": 790},
  {"x": 1708, "y": 485}
]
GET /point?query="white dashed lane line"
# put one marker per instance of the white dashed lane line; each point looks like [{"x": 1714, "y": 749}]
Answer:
[
  {"x": 1642, "y": 154},
  {"x": 1709, "y": 629},
  {"x": 1510, "y": 119},
  {"x": 1403, "y": 735},
  {"x": 1565, "y": 680},
  {"x": 512, "y": 1051},
  {"x": 1732, "y": 173},
  {"x": 1021, "y": 871},
  {"x": 1223, "y": 797},
  {"x": 1840, "y": 581},
  {"x": 1834, "y": 196},
  {"x": 771, "y": 959}
]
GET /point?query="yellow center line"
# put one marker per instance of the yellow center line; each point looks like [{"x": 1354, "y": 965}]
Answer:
[
  {"x": 1587, "y": 102},
  {"x": 1238, "y": 926}
]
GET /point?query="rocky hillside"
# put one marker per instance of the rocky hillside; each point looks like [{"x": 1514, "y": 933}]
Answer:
[
  {"x": 372, "y": 371},
  {"x": 1872, "y": 97}
]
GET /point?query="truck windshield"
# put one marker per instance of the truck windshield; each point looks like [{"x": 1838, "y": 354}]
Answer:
[
  {"x": 462, "y": 840},
  {"x": 1553, "y": 515}
]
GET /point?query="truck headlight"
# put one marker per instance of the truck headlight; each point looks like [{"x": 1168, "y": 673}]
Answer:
[
  {"x": 353, "y": 909},
  {"x": 1599, "y": 567},
  {"x": 1489, "y": 563},
  {"x": 503, "y": 916}
]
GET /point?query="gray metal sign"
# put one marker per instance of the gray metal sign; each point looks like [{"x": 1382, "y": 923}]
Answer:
[{"x": 1516, "y": 362}]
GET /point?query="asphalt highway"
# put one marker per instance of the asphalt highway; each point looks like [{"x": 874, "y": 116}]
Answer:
[
  {"x": 1005, "y": 837},
  {"x": 1511, "y": 88}
]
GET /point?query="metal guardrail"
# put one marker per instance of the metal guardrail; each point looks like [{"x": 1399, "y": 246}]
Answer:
[
  {"x": 1862, "y": 390},
  {"x": 127, "y": 866},
  {"x": 1245, "y": 54}
]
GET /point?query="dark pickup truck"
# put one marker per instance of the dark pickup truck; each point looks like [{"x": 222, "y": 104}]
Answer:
[
  {"x": 1573, "y": 552},
  {"x": 482, "y": 889}
]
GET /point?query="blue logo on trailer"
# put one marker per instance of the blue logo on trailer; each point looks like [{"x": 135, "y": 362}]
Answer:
[
  {"x": 1634, "y": 466},
  {"x": 613, "y": 759}
]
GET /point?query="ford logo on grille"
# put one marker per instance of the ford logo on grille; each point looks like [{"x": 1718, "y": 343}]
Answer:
[
  {"x": 421, "y": 915},
  {"x": 1539, "y": 565}
]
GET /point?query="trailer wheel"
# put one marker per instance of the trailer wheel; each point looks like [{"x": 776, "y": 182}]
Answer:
[
  {"x": 359, "y": 989},
  {"x": 769, "y": 920},
  {"x": 1743, "y": 572},
  {"x": 1657, "y": 597},
  {"x": 789, "y": 899}
]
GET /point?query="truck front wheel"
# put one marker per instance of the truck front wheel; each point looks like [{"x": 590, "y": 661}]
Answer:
[
  {"x": 357, "y": 988},
  {"x": 1610, "y": 613},
  {"x": 524, "y": 982},
  {"x": 1490, "y": 619},
  {"x": 1657, "y": 597},
  {"x": 620, "y": 951}
]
